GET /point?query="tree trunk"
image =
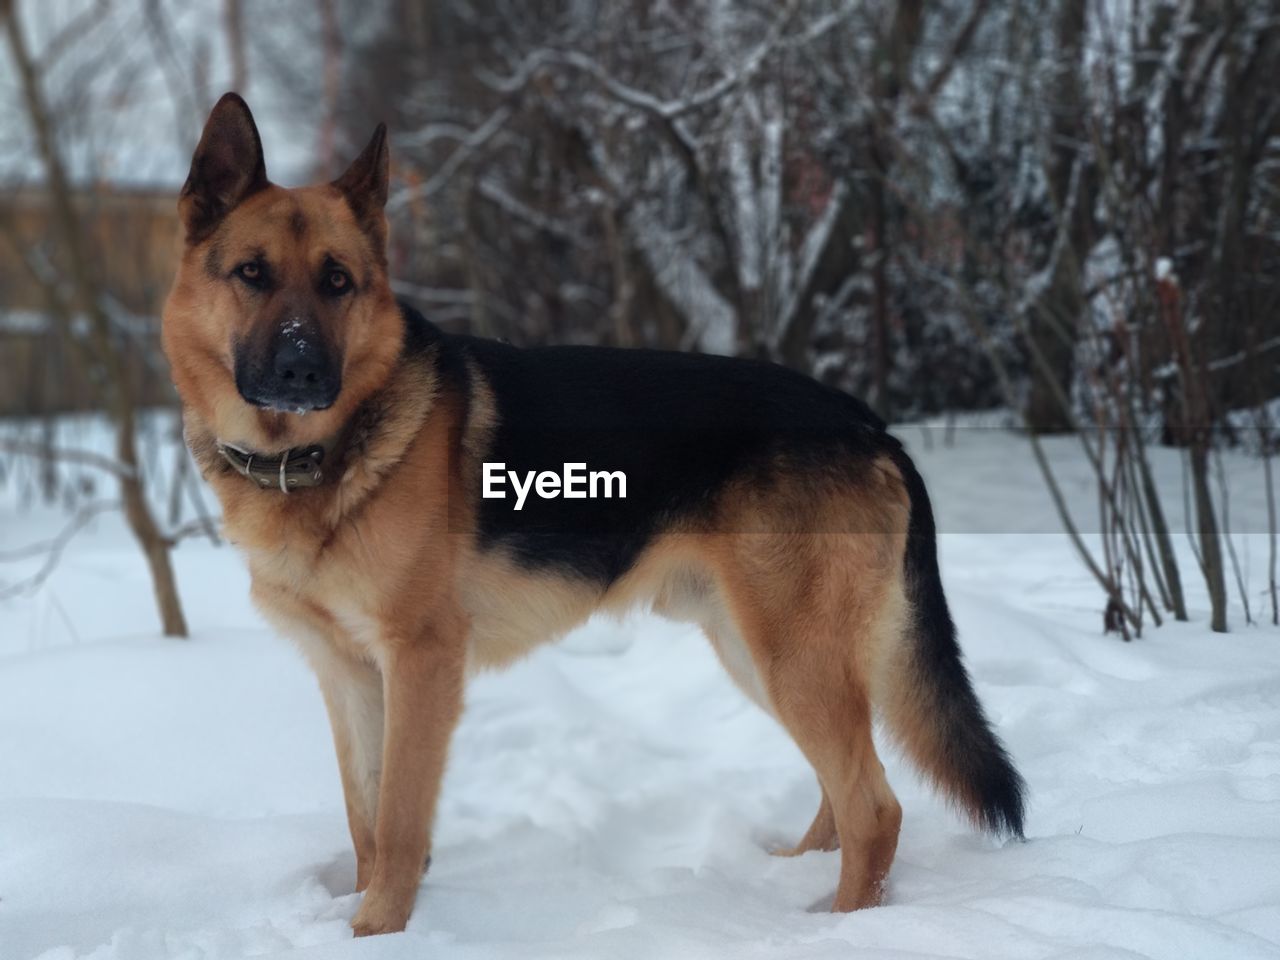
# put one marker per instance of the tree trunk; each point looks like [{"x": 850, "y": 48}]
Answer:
[
  {"x": 1207, "y": 531},
  {"x": 1197, "y": 431},
  {"x": 1054, "y": 319},
  {"x": 1164, "y": 542},
  {"x": 233, "y": 18},
  {"x": 327, "y": 146},
  {"x": 838, "y": 260},
  {"x": 142, "y": 522},
  {"x": 880, "y": 353}
]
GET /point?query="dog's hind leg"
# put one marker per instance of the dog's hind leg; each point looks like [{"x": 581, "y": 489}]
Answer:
[
  {"x": 821, "y": 835},
  {"x": 813, "y": 616},
  {"x": 867, "y": 814},
  {"x": 734, "y": 655},
  {"x": 830, "y": 719}
]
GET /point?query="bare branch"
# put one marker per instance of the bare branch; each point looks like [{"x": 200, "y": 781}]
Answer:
[
  {"x": 85, "y": 458},
  {"x": 455, "y": 161},
  {"x": 52, "y": 549},
  {"x": 959, "y": 46}
]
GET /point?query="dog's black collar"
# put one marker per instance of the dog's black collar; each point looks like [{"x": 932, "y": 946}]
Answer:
[{"x": 297, "y": 467}]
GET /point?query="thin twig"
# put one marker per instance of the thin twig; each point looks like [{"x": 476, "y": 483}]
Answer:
[
  {"x": 52, "y": 549},
  {"x": 67, "y": 455}
]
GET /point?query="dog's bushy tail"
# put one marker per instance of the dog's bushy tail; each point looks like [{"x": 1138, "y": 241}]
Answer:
[{"x": 931, "y": 708}]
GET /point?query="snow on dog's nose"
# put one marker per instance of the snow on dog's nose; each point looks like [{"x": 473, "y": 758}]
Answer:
[{"x": 297, "y": 374}]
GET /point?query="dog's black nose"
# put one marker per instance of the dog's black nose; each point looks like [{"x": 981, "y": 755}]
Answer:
[{"x": 304, "y": 376}]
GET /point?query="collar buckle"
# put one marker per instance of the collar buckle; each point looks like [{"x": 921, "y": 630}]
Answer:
[{"x": 296, "y": 467}]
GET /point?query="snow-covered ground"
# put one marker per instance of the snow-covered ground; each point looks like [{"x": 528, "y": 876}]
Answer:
[{"x": 615, "y": 796}]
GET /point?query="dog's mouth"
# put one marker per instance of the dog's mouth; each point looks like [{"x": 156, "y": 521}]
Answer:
[{"x": 297, "y": 406}]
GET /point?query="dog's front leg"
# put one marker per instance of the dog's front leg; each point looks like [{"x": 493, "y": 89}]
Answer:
[
  {"x": 422, "y": 691},
  {"x": 353, "y": 695},
  {"x": 352, "y": 689}
]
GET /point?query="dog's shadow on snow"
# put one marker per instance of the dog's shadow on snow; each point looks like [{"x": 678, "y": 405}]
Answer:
[
  {"x": 773, "y": 843},
  {"x": 338, "y": 876},
  {"x": 822, "y": 904}
]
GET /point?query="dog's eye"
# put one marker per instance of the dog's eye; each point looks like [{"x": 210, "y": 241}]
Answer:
[
  {"x": 251, "y": 273},
  {"x": 337, "y": 281}
]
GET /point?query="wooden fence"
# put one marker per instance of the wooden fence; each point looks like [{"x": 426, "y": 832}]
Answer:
[{"x": 132, "y": 238}]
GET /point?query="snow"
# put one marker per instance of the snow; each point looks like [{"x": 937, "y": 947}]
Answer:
[{"x": 615, "y": 796}]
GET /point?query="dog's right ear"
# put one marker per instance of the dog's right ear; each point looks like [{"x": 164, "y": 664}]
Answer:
[{"x": 227, "y": 167}]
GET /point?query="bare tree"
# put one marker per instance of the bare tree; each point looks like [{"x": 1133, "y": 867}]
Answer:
[{"x": 87, "y": 294}]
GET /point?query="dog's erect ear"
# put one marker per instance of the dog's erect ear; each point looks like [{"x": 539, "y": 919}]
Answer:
[
  {"x": 227, "y": 167},
  {"x": 365, "y": 185}
]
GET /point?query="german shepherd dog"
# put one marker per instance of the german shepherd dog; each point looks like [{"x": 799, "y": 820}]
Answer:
[{"x": 347, "y": 439}]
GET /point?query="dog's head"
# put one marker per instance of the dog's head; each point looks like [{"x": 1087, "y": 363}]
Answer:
[{"x": 281, "y": 319}]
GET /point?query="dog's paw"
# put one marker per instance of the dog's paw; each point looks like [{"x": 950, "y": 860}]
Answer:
[
  {"x": 383, "y": 912},
  {"x": 795, "y": 851},
  {"x": 807, "y": 845}
]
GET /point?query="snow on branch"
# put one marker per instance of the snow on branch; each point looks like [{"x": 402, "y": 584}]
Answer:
[
  {"x": 433, "y": 295},
  {"x": 464, "y": 151},
  {"x": 495, "y": 193},
  {"x": 655, "y": 106},
  {"x": 712, "y": 319},
  {"x": 815, "y": 242}
]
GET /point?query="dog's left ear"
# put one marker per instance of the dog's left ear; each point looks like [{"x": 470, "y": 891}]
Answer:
[
  {"x": 365, "y": 186},
  {"x": 227, "y": 168}
]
